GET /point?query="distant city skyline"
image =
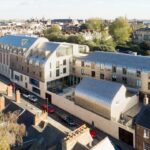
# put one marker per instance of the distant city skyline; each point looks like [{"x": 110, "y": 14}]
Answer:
[{"x": 106, "y": 9}]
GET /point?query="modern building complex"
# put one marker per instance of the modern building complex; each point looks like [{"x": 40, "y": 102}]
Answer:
[
  {"x": 101, "y": 88},
  {"x": 132, "y": 71}
]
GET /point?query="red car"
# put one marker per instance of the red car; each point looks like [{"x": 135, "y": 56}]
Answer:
[
  {"x": 93, "y": 133},
  {"x": 48, "y": 108}
]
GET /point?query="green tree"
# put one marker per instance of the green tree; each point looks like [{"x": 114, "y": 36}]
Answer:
[
  {"x": 94, "y": 24},
  {"x": 79, "y": 39},
  {"x": 53, "y": 29},
  {"x": 120, "y": 30}
]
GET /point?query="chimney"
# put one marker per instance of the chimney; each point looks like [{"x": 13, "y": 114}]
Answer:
[
  {"x": 146, "y": 100},
  {"x": 2, "y": 103},
  {"x": 17, "y": 96},
  {"x": 9, "y": 91}
]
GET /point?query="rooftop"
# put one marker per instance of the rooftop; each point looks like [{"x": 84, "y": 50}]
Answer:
[
  {"x": 143, "y": 118},
  {"x": 21, "y": 41},
  {"x": 119, "y": 59}
]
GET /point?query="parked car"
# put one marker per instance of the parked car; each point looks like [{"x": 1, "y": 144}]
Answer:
[
  {"x": 32, "y": 98},
  {"x": 93, "y": 133},
  {"x": 48, "y": 108},
  {"x": 25, "y": 95},
  {"x": 68, "y": 119}
]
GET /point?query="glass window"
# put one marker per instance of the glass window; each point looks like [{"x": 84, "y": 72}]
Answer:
[
  {"x": 36, "y": 90},
  {"x": 57, "y": 64},
  {"x": 146, "y": 146},
  {"x": 64, "y": 70},
  {"x": 148, "y": 85},
  {"x": 101, "y": 66},
  {"x": 124, "y": 79},
  {"x": 34, "y": 82},
  {"x": 93, "y": 73},
  {"x": 146, "y": 133},
  {"x": 114, "y": 77},
  {"x": 138, "y": 83},
  {"x": 57, "y": 72},
  {"x": 64, "y": 62},
  {"x": 124, "y": 70},
  {"x": 101, "y": 76},
  {"x": 138, "y": 73},
  {"x": 114, "y": 69},
  {"x": 82, "y": 63}
]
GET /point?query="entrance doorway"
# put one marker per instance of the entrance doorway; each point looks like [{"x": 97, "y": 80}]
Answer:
[
  {"x": 126, "y": 136},
  {"x": 49, "y": 97}
]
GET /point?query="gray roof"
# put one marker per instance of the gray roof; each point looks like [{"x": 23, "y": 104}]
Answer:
[
  {"x": 95, "y": 94},
  {"x": 48, "y": 46},
  {"x": 119, "y": 59},
  {"x": 143, "y": 118},
  {"x": 22, "y": 41}
]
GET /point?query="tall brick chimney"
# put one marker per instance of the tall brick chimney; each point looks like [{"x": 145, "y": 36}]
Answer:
[
  {"x": 9, "y": 91},
  {"x": 17, "y": 96},
  {"x": 2, "y": 103}
]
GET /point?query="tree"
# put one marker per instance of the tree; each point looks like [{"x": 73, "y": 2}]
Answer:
[
  {"x": 120, "y": 30},
  {"x": 11, "y": 132},
  {"x": 78, "y": 39},
  {"x": 53, "y": 29},
  {"x": 94, "y": 24}
]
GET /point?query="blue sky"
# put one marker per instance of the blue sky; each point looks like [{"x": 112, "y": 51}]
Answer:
[{"x": 10, "y": 9}]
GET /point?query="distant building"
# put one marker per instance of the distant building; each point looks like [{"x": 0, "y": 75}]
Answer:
[{"x": 142, "y": 35}]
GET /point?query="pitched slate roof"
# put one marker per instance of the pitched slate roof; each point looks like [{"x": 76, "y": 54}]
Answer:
[{"x": 143, "y": 118}]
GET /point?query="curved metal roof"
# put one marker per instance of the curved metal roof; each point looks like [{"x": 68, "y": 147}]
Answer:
[
  {"x": 119, "y": 59},
  {"x": 22, "y": 41},
  {"x": 48, "y": 46},
  {"x": 96, "y": 95}
]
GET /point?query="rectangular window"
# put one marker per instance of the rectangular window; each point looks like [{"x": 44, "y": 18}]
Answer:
[
  {"x": 64, "y": 62},
  {"x": 102, "y": 66},
  {"x": 22, "y": 68},
  {"x": 28, "y": 70},
  {"x": 82, "y": 63},
  {"x": 124, "y": 79},
  {"x": 146, "y": 133},
  {"x": 93, "y": 73},
  {"x": 138, "y": 73},
  {"x": 64, "y": 70},
  {"x": 21, "y": 78},
  {"x": 148, "y": 85},
  {"x": 36, "y": 90},
  {"x": 138, "y": 83},
  {"x": 114, "y": 69},
  {"x": 50, "y": 74},
  {"x": 57, "y": 72},
  {"x": 57, "y": 64},
  {"x": 50, "y": 65},
  {"x": 73, "y": 70},
  {"x": 40, "y": 74},
  {"x": 124, "y": 70},
  {"x": 34, "y": 82},
  {"x": 16, "y": 77},
  {"x": 101, "y": 76}
]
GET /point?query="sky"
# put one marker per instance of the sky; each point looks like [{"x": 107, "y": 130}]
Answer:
[{"x": 81, "y": 9}]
